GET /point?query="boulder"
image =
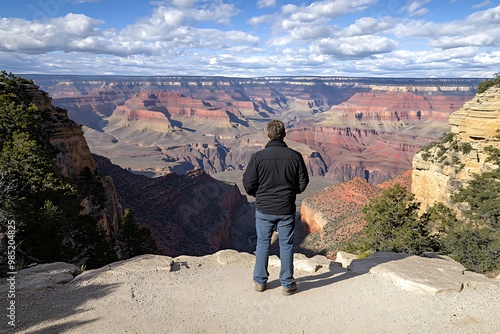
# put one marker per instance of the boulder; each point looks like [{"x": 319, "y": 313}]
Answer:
[{"x": 426, "y": 275}]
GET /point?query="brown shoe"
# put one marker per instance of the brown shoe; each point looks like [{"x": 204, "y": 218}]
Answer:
[
  {"x": 290, "y": 290},
  {"x": 260, "y": 288}
]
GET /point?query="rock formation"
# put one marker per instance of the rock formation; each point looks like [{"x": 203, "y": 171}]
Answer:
[
  {"x": 352, "y": 152},
  {"x": 440, "y": 170}
]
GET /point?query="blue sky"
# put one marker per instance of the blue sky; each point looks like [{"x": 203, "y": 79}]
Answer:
[{"x": 252, "y": 38}]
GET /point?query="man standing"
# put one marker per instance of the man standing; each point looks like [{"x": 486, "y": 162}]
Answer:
[{"x": 275, "y": 175}]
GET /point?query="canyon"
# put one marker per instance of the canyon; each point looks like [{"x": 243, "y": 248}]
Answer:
[
  {"x": 160, "y": 139},
  {"x": 333, "y": 215},
  {"x": 345, "y": 127},
  {"x": 189, "y": 214}
]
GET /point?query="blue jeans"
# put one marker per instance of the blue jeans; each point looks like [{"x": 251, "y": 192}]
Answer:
[{"x": 265, "y": 224}]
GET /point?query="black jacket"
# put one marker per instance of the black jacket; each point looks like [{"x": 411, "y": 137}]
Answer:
[{"x": 274, "y": 176}]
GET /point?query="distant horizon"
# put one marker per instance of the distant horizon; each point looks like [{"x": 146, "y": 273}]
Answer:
[
  {"x": 253, "y": 38},
  {"x": 245, "y": 77}
]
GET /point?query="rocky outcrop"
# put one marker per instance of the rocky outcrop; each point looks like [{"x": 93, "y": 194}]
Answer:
[
  {"x": 43, "y": 276},
  {"x": 429, "y": 274},
  {"x": 440, "y": 170},
  {"x": 74, "y": 159},
  {"x": 333, "y": 216}
]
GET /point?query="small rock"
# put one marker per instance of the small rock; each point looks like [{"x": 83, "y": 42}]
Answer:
[
  {"x": 345, "y": 258},
  {"x": 301, "y": 262}
]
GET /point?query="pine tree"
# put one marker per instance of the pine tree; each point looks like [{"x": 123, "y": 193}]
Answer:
[{"x": 134, "y": 240}]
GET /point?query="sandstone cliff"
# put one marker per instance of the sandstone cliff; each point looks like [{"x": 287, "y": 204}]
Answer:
[
  {"x": 441, "y": 169},
  {"x": 74, "y": 158}
]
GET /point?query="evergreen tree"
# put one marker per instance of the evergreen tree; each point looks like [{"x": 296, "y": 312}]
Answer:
[
  {"x": 134, "y": 240},
  {"x": 392, "y": 223}
]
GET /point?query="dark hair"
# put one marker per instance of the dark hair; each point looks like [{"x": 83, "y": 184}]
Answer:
[{"x": 276, "y": 130}]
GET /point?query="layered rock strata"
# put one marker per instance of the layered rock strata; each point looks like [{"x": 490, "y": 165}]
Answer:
[
  {"x": 333, "y": 216},
  {"x": 152, "y": 124},
  {"x": 475, "y": 126}
]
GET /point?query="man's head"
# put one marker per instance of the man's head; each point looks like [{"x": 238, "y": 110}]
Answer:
[{"x": 276, "y": 130}]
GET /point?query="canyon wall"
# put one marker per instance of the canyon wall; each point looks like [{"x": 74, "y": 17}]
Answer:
[
  {"x": 348, "y": 153},
  {"x": 440, "y": 170},
  {"x": 74, "y": 159},
  {"x": 333, "y": 216},
  {"x": 189, "y": 214}
]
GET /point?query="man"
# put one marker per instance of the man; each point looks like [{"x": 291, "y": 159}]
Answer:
[{"x": 275, "y": 175}]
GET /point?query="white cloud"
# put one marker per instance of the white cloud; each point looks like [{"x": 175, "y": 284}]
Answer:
[
  {"x": 488, "y": 58},
  {"x": 459, "y": 41},
  {"x": 193, "y": 37},
  {"x": 355, "y": 46},
  {"x": 259, "y": 20},
  {"x": 309, "y": 33},
  {"x": 482, "y": 4},
  {"x": 184, "y": 3},
  {"x": 479, "y": 29},
  {"x": 367, "y": 25},
  {"x": 45, "y": 36},
  {"x": 415, "y": 8},
  {"x": 320, "y": 12},
  {"x": 266, "y": 3}
]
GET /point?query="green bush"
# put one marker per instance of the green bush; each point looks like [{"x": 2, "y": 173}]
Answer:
[
  {"x": 475, "y": 248},
  {"x": 392, "y": 224},
  {"x": 466, "y": 148},
  {"x": 486, "y": 84}
]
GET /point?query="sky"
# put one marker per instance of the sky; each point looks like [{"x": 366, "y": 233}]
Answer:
[{"x": 252, "y": 38}]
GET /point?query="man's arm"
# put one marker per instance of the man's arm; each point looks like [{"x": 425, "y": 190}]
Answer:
[
  {"x": 251, "y": 177},
  {"x": 303, "y": 176}
]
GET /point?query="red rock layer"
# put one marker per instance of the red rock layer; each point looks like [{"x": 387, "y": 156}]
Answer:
[
  {"x": 349, "y": 152},
  {"x": 396, "y": 106}
]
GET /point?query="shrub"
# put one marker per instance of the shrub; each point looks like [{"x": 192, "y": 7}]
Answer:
[
  {"x": 475, "y": 248},
  {"x": 392, "y": 223},
  {"x": 486, "y": 84},
  {"x": 466, "y": 148}
]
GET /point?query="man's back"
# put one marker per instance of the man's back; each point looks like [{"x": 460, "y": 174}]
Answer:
[{"x": 274, "y": 176}]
